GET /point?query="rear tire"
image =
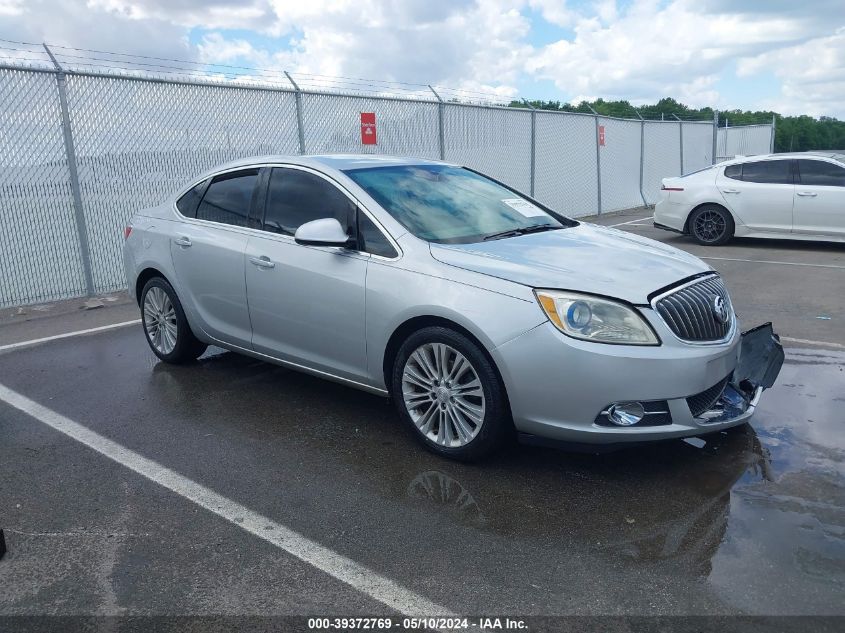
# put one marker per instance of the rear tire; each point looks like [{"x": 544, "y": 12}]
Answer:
[
  {"x": 165, "y": 325},
  {"x": 711, "y": 225},
  {"x": 447, "y": 391}
]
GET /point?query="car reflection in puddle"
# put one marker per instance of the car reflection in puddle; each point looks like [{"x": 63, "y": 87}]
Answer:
[
  {"x": 755, "y": 502},
  {"x": 756, "y": 514},
  {"x": 653, "y": 523}
]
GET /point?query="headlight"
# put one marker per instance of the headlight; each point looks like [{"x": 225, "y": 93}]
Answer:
[{"x": 595, "y": 319}]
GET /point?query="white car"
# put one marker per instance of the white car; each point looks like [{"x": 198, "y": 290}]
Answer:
[{"x": 785, "y": 196}]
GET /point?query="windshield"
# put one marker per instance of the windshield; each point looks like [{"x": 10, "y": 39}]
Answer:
[{"x": 440, "y": 203}]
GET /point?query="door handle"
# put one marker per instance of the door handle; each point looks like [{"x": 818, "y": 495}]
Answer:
[
  {"x": 807, "y": 194},
  {"x": 262, "y": 262},
  {"x": 183, "y": 240},
  {"x": 730, "y": 191}
]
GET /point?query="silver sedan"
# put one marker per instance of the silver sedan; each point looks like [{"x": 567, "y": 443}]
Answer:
[{"x": 481, "y": 312}]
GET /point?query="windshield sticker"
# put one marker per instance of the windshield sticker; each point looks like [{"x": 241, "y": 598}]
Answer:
[{"x": 524, "y": 207}]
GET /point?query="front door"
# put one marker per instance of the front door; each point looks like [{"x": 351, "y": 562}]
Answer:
[
  {"x": 820, "y": 198},
  {"x": 306, "y": 303}
]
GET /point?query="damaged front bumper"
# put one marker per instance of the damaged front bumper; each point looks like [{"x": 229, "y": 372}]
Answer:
[
  {"x": 683, "y": 392},
  {"x": 760, "y": 360}
]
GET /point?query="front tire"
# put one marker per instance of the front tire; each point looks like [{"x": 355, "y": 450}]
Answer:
[
  {"x": 165, "y": 325},
  {"x": 711, "y": 225},
  {"x": 447, "y": 390}
]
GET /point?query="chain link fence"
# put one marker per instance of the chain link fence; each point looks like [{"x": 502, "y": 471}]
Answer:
[
  {"x": 744, "y": 140},
  {"x": 80, "y": 152}
]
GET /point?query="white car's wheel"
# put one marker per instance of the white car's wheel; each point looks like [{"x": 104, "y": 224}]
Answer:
[{"x": 711, "y": 225}]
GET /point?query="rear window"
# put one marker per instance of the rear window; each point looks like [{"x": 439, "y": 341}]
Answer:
[
  {"x": 734, "y": 171},
  {"x": 187, "y": 204},
  {"x": 229, "y": 198}
]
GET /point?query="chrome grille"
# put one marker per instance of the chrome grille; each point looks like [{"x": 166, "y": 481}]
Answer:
[{"x": 689, "y": 311}]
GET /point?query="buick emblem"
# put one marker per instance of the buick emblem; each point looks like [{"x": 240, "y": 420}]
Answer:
[{"x": 720, "y": 309}]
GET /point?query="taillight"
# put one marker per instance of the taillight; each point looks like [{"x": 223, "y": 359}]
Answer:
[
  {"x": 127, "y": 232},
  {"x": 665, "y": 188}
]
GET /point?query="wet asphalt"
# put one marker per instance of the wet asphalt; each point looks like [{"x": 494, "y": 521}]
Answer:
[{"x": 752, "y": 522}]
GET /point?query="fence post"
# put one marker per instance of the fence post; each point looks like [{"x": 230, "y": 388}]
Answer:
[
  {"x": 299, "y": 124},
  {"x": 681, "y": 126},
  {"x": 440, "y": 109},
  {"x": 598, "y": 158},
  {"x": 533, "y": 143},
  {"x": 772, "y": 141},
  {"x": 715, "y": 135},
  {"x": 642, "y": 156},
  {"x": 73, "y": 173}
]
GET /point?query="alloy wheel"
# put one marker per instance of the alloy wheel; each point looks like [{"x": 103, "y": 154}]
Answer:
[
  {"x": 160, "y": 320},
  {"x": 710, "y": 226},
  {"x": 443, "y": 395}
]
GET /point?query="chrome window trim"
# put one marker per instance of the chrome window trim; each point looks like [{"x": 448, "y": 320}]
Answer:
[
  {"x": 263, "y": 233},
  {"x": 692, "y": 282}
]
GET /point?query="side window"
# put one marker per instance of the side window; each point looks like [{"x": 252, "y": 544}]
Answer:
[
  {"x": 818, "y": 172},
  {"x": 768, "y": 171},
  {"x": 371, "y": 239},
  {"x": 295, "y": 197},
  {"x": 187, "y": 204},
  {"x": 734, "y": 171},
  {"x": 229, "y": 197}
]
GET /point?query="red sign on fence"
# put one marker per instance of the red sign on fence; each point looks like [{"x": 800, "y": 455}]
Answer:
[
  {"x": 601, "y": 135},
  {"x": 368, "y": 128}
]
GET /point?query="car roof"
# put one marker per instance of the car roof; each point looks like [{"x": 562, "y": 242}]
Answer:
[
  {"x": 333, "y": 161},
  {"x": 838, "y": 155}
]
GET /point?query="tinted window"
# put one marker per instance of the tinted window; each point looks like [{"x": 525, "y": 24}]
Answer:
[
  {"x": 818, "y": 172},
  {"x": 295, "y": 197},
  {"x": 767, "y": 171},
  {"x": 228, "y": 198},
  {"x": 187, "y": 204},
  {"x": 440, "y": 203},
  {"x": 372, "y": 240},
  {"x": 733, "y": 171}
]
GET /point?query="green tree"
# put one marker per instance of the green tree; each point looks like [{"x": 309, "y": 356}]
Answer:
[{"x": 792, "y": 133}]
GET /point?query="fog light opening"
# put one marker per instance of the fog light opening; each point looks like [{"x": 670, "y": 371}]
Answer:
[{"x": 626, "y": 413}]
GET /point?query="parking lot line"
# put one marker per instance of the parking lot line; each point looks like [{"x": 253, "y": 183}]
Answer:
[
  {"x": 326, "y": 560},
  {"x": 648, "y": 217},
  {"x": 36, "y": 341},
  {"x": 768, "y": 261},
  {"x": 804, "y": 341}
]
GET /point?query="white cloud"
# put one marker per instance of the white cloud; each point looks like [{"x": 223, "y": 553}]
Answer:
[
  {"x": 812, "y": 75},
  {"x": 189, "y": 13},
  {"x": 554, "y": 11},
  {"x": 653, "y": 51},
  {"x": 11, "y": 7},
  {"x": 462, "y": 45},
  {"x": 641, "y": 51}
]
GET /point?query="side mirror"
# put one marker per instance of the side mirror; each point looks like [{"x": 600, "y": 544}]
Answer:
[{"x": 323, "y": 232}]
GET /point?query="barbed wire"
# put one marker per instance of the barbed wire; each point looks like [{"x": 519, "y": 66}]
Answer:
[{"x": 91, "y": 60}]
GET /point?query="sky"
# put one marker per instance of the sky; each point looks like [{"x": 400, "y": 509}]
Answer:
[{"x": 782, "y": 55}]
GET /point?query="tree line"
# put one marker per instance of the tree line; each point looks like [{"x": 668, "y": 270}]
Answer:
[{"x": 792, "y": 133}]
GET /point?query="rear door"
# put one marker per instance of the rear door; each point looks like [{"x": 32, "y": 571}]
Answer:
[
  {"x": 820, "y": 198},
  {"x": 208, "y": 256},
  {"x": 759, "y": 193},
  {"x": 307, "y": 302}
]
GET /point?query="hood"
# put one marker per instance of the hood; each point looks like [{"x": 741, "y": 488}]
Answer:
[{"x": 586, "y": 258}]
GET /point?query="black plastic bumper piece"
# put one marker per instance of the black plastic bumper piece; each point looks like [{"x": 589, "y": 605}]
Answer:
[
  {"x": 760, "y": 358},
  {"x": 667, "y": 228}
]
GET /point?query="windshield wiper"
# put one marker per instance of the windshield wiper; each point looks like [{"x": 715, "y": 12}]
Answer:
[{"x": 537, "y": 228}]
